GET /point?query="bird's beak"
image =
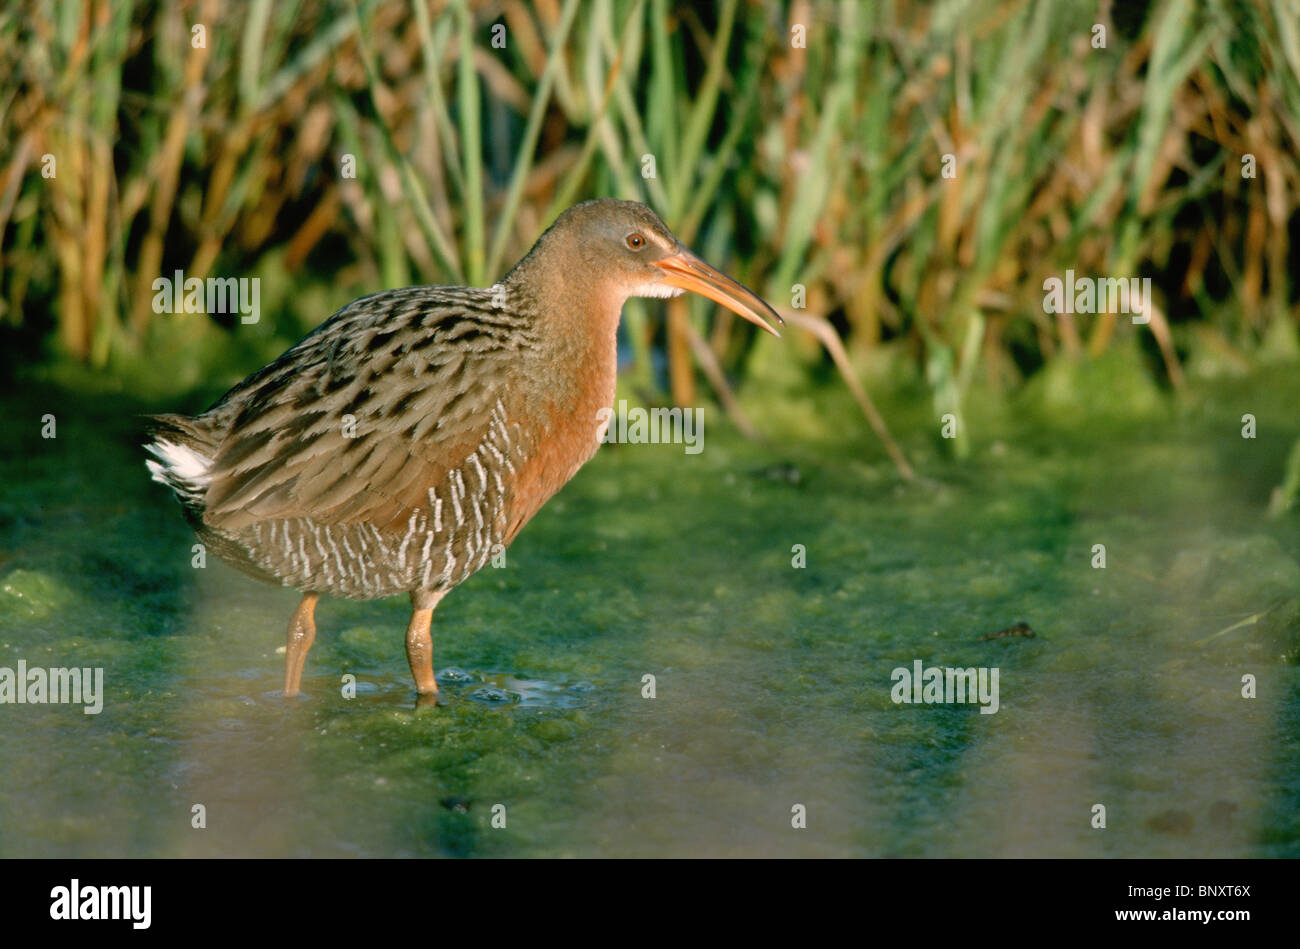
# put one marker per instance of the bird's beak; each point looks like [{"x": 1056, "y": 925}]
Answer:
[{"x": 687, "y": 272}]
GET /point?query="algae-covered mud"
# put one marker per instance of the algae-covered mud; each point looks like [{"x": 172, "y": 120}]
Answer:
[{"x": 772, "y": 590}]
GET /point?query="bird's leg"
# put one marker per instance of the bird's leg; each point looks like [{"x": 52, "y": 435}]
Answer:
[
  {"x": 419, "y": 642},
  {"x": 302, "y": 633}
]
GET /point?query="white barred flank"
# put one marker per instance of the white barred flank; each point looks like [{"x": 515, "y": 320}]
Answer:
[{"x": 356, "y": 560}]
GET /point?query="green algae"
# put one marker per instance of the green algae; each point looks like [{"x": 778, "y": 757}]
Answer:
[{"x": 771, "y": 681}]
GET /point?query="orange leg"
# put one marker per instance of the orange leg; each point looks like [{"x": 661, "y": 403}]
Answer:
[
  {"x": 302, "y": 633},
  {"x": 419, "y": 644}
]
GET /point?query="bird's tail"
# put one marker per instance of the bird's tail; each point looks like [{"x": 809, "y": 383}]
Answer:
[{"x": 183, "y": 452}]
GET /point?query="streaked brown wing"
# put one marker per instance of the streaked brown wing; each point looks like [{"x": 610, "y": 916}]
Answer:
[{"x": 362, "y": 417}]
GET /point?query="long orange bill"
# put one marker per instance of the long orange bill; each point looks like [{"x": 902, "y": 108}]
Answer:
[{"x": 688, "y": 272}]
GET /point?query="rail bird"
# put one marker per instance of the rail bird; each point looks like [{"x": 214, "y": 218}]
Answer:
[{"x": 413, "y": 434}]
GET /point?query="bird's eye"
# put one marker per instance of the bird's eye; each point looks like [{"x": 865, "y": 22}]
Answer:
[{"x": 635, "y": 241}]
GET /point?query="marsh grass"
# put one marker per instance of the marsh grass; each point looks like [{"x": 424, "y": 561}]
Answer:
[{"x": 819, "y": 165}]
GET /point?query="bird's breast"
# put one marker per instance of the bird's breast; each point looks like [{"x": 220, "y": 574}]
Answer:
[{"x": 563, "y": 422}]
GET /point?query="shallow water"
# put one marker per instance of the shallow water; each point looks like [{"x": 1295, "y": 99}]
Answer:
[{"x": 772, "y": 683}]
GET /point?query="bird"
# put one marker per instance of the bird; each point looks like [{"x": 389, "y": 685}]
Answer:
[{"x": 410, "y": 437}]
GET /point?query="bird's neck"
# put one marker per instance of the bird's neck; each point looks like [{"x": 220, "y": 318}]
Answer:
[
  {"x": 567, "y": 377},
  {"x": 574, "y": 313},
  {"x": 575, "y": 319}
]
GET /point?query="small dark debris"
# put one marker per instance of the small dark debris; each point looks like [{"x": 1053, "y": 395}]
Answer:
[
  {"x": 1221, "y": 813},
  {"x": 1020, "y": 629},
  {"x": 460, "y": 805},
  {"x": 1172, "y": 822},
  {"x": 788, "y": 473}
]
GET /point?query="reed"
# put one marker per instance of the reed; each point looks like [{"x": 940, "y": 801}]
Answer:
[{"x": 913, "y": 171}]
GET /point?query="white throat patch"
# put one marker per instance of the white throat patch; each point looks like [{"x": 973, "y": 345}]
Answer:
[{"x": 661, "y": 290}]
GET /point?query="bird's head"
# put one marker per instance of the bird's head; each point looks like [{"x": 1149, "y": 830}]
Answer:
[{"x": 625, "y": 245}]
